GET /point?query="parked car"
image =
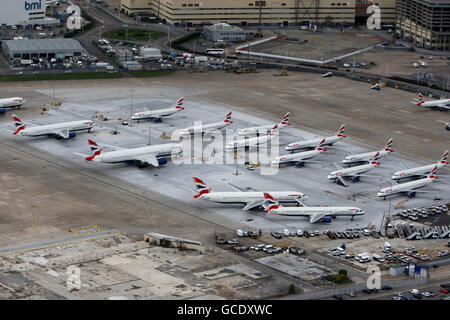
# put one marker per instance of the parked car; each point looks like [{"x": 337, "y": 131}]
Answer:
[
  {"x": 444, "y": 290},
  {"x": 338, "y": 297},
  {"x": 386, "y": 288}
]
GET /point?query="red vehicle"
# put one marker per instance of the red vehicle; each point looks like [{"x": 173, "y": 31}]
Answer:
[{"x": 443, "y": 290}]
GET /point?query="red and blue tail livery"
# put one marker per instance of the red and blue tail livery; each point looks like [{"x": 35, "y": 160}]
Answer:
[
  {"x": 389, "y": 145},
  {"x": 444, "y": 159},
  {"x": 95, "y": 148},
  {"x": 285, "y": 120},
  {"x": 180, "y": 104},
  {"x": 319, "y": 147},
  {"x": 271, "y": 203},
  {"x": 340, "y": 133},
  {"x": 201, "y": 187},
  {"x": 228, "y": 118},
  {"x": 18, "y": 123}
]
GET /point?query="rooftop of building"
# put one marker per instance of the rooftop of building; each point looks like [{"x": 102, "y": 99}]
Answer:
[{"x": 43, "y": 45}]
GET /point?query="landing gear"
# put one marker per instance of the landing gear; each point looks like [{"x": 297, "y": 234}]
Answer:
[
  {"x": 411, "y": 194},
  {"x": 142, "y": 164}
]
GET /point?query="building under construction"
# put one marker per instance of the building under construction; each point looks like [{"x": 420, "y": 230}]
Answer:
[
  {"x": 266, "y": 12},
  {"x": 426, "y": 23}
]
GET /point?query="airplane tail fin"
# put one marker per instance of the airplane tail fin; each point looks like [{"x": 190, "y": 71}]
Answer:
[
  {"x": 270, "y": 203},
  {"x": 388, "y": 146},
  {"x": 375, "y": 158},
  {"x": 18, "y": 123},
  {"x": 340, "y": 133},
  {"x": 319, "y": 146},
  {"x": 421, "y": 100},
  {"x": 433, "y": 174},
  {"x": 228, "y": 118},
  {"x": 274, "y": 130},
  {"x": 95, "y": 149},
  {"x": 201, "y": 187},
  {"x": 179, "y": 104},
  {"x": 444, "y": 158},
  {"x": 285, "y": 120}
]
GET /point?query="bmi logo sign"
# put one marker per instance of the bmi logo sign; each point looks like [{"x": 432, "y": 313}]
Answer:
[{"x": 33, "y": 5}]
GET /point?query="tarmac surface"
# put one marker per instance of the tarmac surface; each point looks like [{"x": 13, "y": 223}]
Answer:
[{"x": 46, "y": 189}]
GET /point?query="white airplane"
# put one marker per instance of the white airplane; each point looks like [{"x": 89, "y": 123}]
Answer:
[
  {"x": 206, "y": 127},
  {"x": 367, "y": 156},
  {"x": 254, "y": 141},
  {"x": 63, "y": 130},
  {"x": 299, "y": 157},
  {"x": 327, "y": 75},
  {"x": 160, "y": 113},
  {"x": 435, "y": 104},
  {"x": 354, "y": 172},
  {"x": 420, "y": 171},
  {"x": 10, "y": 103},
  {"x": 315, "y": 214},
  {"x": 251, "y": 199},
  {"x": 153, "y": 155},
  {"x": 409, "y": 187},
  {"x": 311, "y": 143},
  {"x": 265, "y": 129}
]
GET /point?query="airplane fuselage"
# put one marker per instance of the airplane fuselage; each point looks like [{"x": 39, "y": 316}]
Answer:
[
  {"x": 204, "y": 128},
  {"x": 53, "y": 129},
  {"x": 414, "y": 172},
  {"x": 327, "y": 211},
  {"x": 405, "y": 187},
  {"x": 153, "y": 114},
  {"x": 250, "y": 196},
  {"x": 351, "y": 172},
  {"x": 364, "y": 157},
  {"x": 312, "y": 143},
  {"x": 250, "y": 142},
  {"x": 444, "y": 104},
  {"x": 11, "y": 102},
  {"x": 126, "y": 155},
  {"x": 295, "y": 157}
]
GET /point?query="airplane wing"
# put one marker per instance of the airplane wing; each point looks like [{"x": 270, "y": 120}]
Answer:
[
  {"x": 64, "y": 133},
  {"x": 149, "y": 158},
  {"x": 316, "y": 217},
  {"x": 404, "y": 165},
  {"x": 301, "y": 202},
  {"x": 337, "y": 166},
  {"x": 236, "y": 187},
  {"x": 111, "y": 146},
  {"x": 253, "y": 204}
]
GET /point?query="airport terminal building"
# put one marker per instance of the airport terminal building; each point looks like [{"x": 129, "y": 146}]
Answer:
[
  {"x": 251, "y": 12},
  {"x": 24, "y": 13}
]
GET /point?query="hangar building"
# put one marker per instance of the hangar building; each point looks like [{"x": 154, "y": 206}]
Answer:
[{"x": 41, "y": 48}]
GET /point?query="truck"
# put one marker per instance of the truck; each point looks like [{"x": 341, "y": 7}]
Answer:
[{"x": 200, "y": 59}]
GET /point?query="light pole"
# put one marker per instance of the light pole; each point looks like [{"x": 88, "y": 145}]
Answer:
[{"x": 131, "y": 109}]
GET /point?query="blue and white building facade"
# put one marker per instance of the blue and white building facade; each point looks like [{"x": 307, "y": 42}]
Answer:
[{"x": 24, "y": 13}]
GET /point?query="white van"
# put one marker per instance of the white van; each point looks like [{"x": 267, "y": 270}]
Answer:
[{"x": 42, "y": 34}]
